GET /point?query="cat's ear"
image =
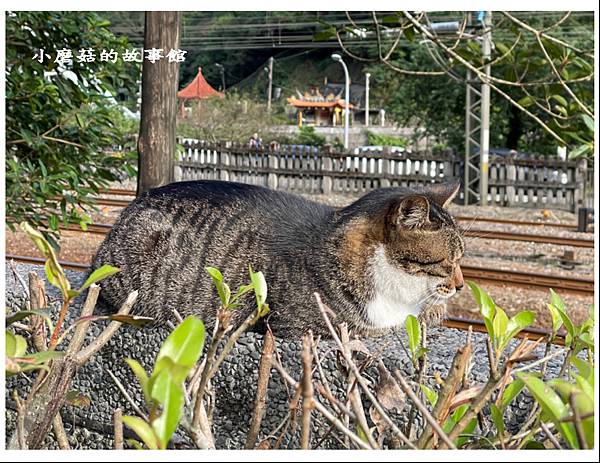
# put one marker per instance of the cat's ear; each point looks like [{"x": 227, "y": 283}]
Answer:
[
  {"x": 410, "y": 212},
  {"x": 443, "y": 193}
]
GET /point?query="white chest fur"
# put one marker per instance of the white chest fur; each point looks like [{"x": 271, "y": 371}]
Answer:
[{"x": 397, "y": 293}]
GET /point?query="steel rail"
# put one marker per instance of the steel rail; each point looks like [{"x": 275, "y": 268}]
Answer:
[
  {"x": 463, "y": 218},
  {"x": 546, "y": 239},
  {"x": 583, "y": 286}
]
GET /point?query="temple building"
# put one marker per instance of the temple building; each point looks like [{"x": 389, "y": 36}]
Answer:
[
  {"x": 197, "y": 89},
  {"x": 324, "y": 105}
]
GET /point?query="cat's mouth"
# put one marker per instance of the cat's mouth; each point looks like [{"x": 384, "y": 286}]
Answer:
[{"x": 444, "y": 292}]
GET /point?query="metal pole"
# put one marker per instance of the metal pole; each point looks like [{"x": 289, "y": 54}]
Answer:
[
  {"x": 347, "y": 103},
  {"x": 270, "y": 84},
  {"x": 367, "y": 75},
  {"x": 338, "y": 57},
  {"x": 485, "y": 112}
]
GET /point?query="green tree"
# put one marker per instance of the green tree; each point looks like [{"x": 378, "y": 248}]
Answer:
[
  {"x": 541, "y": 81},
  {"x": 60, "y": 119}
]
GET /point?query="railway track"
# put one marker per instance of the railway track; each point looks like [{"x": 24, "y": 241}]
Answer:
[
  {"x": 450, "y": 322},
  {"x": 546, "y": 239},
  {"x": 462, "y": 218}
]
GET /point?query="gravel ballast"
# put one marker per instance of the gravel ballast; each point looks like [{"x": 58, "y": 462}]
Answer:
[{"x": 235, "y": 384}]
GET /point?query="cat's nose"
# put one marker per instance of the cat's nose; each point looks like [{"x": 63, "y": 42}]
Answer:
[{"x": 457, "y": 278}]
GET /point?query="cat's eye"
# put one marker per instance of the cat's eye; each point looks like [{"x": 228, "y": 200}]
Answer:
[{"x": 419, "y": 262}]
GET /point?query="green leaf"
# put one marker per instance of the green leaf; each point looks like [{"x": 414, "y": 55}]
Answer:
[
  {"x": 183, "y": 346},
  {"x": 99, "y": 274},
  {"x": 526, "y": 101},
  {"x": 556, "y": 319},
  {"x": 511, "y": 391},
  {"x": 568, "y": 325},
  {"x": 143, "y": 430},
  {"x": 557, "y": 301},
  {"x": 413, "y": 329},
  {"x": 551, "y": 404},
  {"x": 500, "y": 325},
  {"x": 215, "y": 274},
  {"x": 10, "y": 343},
  {"x": 485, "y": 302},
  {"x": 586, "y": 385},
  {"x": 53, "y": 269},
  {"x": 582, "y": 150},
  {"x": 324, "y": 34},
  {"x": 585, "y": 369},
  {"x": 260, "y": 287},
  {"x": 141, "y": 375},
  {"x": 170, "y": 395},
  {"x": 409, "y": 33},
  {"x": 497, "y": 418},
  {"x": 20, "y": 346},
  {"x": 42, "y": 357},
  {"x": 430, "y": 394},
  {"x": 132, "y": 320},
  {"x": 589, "y": 122},
  {"x": 22, "y": 314},
  {"x": 517, "y": 323},
  {"x": 561, "y": 100}
]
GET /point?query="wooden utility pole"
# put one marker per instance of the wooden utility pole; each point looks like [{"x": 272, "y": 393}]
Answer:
[{"x": 156, "y": 144}]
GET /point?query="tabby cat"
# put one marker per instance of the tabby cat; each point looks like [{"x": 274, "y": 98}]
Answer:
[{"x": 391, "y": 253}]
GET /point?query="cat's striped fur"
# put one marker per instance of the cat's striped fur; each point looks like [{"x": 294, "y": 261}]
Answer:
[{"x": 392, "y": 252}]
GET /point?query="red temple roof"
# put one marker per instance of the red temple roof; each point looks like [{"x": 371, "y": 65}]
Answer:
[
  {"x": 198, "y": 89},
  {"x": 318, "y": 104}
]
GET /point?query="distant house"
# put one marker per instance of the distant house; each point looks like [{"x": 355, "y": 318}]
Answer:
[{"x": 324, "y": 105}]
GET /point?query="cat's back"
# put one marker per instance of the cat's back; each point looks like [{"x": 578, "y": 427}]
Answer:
[{"x": 166, "y": 237}]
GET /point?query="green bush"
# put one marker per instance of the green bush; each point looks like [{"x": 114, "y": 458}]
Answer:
[
  {"x": 60, "y": 127},
  {"x": 385, "y": 140}
]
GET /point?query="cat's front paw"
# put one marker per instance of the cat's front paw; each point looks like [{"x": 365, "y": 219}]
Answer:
[{"x": 434, "y": 314}]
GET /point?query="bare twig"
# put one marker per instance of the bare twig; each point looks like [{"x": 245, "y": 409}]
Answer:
[
  {"x": 581, "y": 105},
  {"x": 118, "y": 427},
  {"x": 85, "y": 354},
  {"x": 264, "y": 373},
  {"x": 18, "y": 277},
  {"x": 325, "y": 384},
  {"x": 60, "y": 434},
  {"x": 484, "y": 77},
  {"x": 342, "y": 409},
  {"x": 37, "y": 301},
  {"x": 550, "y": 436},
  {"x": 211, "y": 368},
  {"x": 20, "y": 422},
  {"x": 353, "y": 392},
  {"x": 534, "y": 31},
  {"x": 577, "y": 422},
  {"x": 451, "y": 384},
  {"x": 127, "y": 397},
  {"x": 359, "y": 378},
  {"x": 307, "y": 389},
  {"x": 323, "y": 410},
  {"x": 87, "y": 310},
  {"x": 423, "y": 409}
]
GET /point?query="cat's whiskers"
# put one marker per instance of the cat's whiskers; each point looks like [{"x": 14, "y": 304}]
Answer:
[{"x": 428, "y": 296}]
